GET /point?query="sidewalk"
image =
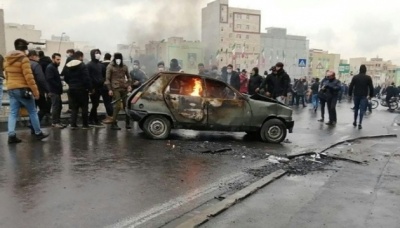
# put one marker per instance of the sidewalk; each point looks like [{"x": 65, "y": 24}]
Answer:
[{"x": 347, "y": 195}]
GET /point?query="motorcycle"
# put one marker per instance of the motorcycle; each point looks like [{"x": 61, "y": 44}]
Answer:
[{"x": 394, "y": 102}]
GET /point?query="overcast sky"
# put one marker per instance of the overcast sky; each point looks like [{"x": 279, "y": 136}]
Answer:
[{"x": 351, "y": 28}]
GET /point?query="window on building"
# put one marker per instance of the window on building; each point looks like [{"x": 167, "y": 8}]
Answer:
[
  {"x": 230, "y": 25},
  {"x": 247, "y": 37},
  {"x": 230, "y": 35},
  {"x": 239, "y": 16},
  {"x": 248, "y": 17},
  {"x": 230, "y": 15},
  {"x": 238, "y": 46},
  {"x": 222, "y": 39},
  {"x": 222, "y": 29},
  {"x": 248, "y": 27},
  {"x": 238, "y": 26},
  {"x": 238, "y": 36}
]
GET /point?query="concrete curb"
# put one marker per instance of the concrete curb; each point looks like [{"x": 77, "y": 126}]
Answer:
[
  {"x": 290, "y": 156},
  {"x": 231, "y": 200}
]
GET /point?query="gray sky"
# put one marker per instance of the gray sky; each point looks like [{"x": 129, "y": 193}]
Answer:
[{"x": 348, "y": 27}]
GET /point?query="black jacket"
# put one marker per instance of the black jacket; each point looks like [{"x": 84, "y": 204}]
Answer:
[
  {"x": 40, "y": 78},
  {"x": 277, "y": 84},
  {"x": 96, "y": 71},
  {"x": 44, "y": 62},
  {"x": 53, "y": 79},
  {"x": 392, "y": 91},
  {"x": 77, "y": 76},
  {"x": 254, "y": 83},
  {"x": 333, "y": 87},
  {"x": 361, "y": 85},
  {"x": 69, "y": 59},
  {"x": 315, "y": 88},
  {"x": 235, "y": 80}
]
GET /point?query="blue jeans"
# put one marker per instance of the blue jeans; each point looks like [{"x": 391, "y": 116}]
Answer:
[
  {"x": 360, "y": 103},
  {"x": 315, "y": 100},
  {"x": 16, "y": 102}
]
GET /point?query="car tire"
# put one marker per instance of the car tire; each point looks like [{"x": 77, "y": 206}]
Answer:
[
  {"x": 273, "y": 131},
  {"x": 157, "y": 127}
]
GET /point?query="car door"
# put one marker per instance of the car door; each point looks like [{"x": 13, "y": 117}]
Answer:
[
  {"x": 226, "y": 108},
  {"x": 185, "y": 99}
]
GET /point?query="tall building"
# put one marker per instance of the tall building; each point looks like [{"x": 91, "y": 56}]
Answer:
[
  {"x": 2, "y": 34},
  {"x": 397, "y": 77},
  {"x": 320, "y": 61},
  {"x": 188, "y": 53},
  {"x": 381, "y": 71},
  {"x": 14, "y": 31},
  {"x": 231, "y": 35},
  {"x": 278, "y": 46}
]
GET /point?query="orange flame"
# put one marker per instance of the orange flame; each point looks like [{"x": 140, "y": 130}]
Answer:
[{"x": 197, "y": 88}]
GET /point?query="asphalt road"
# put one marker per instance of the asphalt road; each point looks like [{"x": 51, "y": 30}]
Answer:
[{"x": 100, "y": 178}]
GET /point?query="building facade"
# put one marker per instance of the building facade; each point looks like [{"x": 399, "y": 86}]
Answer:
[
  {"x": 14, "y": 31},
  {"x": 231, "y": 35},
  {"x": 188, "y": 53},
  {"x": 278, "y": 46},
  {"x": 2, "y": 34},
  {"x": 382, "y": 72},
  {"x": 320, "y": 61}
]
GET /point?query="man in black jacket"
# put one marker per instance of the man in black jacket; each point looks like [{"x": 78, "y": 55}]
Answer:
[
  {"x": 362, "y": 87},
  {"x": 138, "y": 76},
  {"x": 255, "y": 81},
  {"x": 277, "y": 83},
  {"x": 391, "y": 91},
  {"x": 44, "y": 61},
  {"x": 104, "y": 92},
  {"x": 95, "y": 68},
  {"x": 79, "y": 83},
  {"x": 70, "y": 57},
  {"x": 41, "y": 83},
  {"x": 231, "y": 77},
  {"x": 332, "y": 88},
  {"x": 53, "y": 79}
]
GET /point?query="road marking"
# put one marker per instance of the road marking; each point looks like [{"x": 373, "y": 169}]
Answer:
[{"x": 163, "y": 208}]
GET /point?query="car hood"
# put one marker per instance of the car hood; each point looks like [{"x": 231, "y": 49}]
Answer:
[{"x": 259, "y": 97}]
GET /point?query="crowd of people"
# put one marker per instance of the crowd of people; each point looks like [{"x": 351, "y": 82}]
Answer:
[{"x": 34, "y": 81}]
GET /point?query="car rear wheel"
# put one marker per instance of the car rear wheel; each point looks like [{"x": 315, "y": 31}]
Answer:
[
  {"x": 157, "y": 127},
  {"x": 273, "y": 131}
]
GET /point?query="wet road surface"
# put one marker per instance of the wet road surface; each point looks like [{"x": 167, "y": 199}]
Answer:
[{"x": 99, "y": 177}]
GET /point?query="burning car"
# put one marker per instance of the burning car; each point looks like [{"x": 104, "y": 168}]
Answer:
[{"x": 172, "y": 100}]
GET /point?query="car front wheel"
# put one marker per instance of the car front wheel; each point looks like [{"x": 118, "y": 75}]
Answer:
[
  {"x": 273, "y": 131},
  {"x": 157, "y": 127}
]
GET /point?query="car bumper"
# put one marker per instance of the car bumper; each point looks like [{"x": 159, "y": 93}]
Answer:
[
  {"x": 289, "y": 126},
  {"x": 137, "y": 115}
]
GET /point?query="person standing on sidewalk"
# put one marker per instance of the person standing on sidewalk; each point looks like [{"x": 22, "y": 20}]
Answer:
[
  {"x": 79, "y": 83},
  {"x": 363, "y": 89},
  {"x": 21, "y": 86},
  {"x": 314, "y": 94},
  {"x": 95, "y": 68},
  {"x": 300, "y": 88},
  {"x": 255, "y": 81},
  {"x": 118, "y": 82},
  {"x": 104, "y": 92},
  {"x": 53, "y": 79},
  {"x": 277, "y": 83},
  {"x": 41, "y": 83}
]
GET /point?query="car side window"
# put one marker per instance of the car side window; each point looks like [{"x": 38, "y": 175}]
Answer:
[
  {"x": 218, "y": 89},
  {"x": 187, "y": 86}
]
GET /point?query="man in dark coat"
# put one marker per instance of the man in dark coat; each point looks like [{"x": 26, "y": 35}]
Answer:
[
  {"x": 231, "y": 77},
  {"x": 95, "y": 68},
  {"x": 255, "y": 81},
  {"x": 138, "y": 76},
  {"x": 104, "y": 92}
]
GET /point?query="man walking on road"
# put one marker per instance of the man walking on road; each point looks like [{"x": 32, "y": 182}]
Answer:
[
  {"x": 53, "y": 79},
  {"x": 363, "y": 89},
  {"x": 22, "y": 90}
]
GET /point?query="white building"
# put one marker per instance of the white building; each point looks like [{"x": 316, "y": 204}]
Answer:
[
  {"x": 278, "y": 46},
  {"x": 14, "y": 31},
  {"x": 230, "y": 35}
]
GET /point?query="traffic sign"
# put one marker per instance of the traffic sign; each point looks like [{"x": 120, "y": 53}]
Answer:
[
  {"x": 344, "y": 68},
  {"x": 319, "y": 66},
  {"x": 302, "y": 62}
]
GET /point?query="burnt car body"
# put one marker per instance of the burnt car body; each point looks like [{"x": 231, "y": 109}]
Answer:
[{"x": 172, "y": 100}]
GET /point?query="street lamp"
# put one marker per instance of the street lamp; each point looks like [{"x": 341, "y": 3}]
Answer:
[{"x": 59, "y": 45}]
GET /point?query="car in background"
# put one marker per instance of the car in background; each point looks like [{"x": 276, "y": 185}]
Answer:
[{"x": 173, "y": 100}]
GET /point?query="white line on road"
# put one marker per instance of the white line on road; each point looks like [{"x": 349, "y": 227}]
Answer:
[{"x": 160, "y": 209}]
